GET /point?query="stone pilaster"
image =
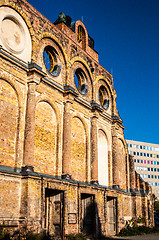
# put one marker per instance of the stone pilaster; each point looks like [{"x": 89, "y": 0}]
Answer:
[
  {"x": 116, "y": 183},
  {"x": 110, "y": 180},
  {"x": 29, "y": 128},
  {"x": 137, "y": 182},
  {"x": 94, "y": 151},
  {"x": 66, "y": 161},
  {"x": 132, "y": 173},
  {"x": 34, "y": 76}
]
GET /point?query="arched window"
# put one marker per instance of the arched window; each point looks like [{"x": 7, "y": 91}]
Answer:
[
  {"x": 80, "y": 81},
  {"x": 50, "y": 58},
  {"x": 82, "y": 37},
  {"x": 103, "y": 97}
]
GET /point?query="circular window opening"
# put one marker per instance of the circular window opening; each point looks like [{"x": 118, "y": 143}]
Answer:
[
  {"x": 50, "y": 61},
  {"x": 80, "y": 82},
  {"x": 103, "y": 97}
]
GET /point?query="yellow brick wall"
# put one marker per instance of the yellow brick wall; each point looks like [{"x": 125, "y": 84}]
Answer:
[
  {"x": 78, "y": 150},
  {"x": 10, "y": 192},
  {"x": 9, "y": 114},
  {"x": 45, "y": 139}
]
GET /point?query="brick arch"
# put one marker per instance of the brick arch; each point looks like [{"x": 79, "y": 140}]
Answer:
[
  {"x": 78, "y": 59},
  {"x": 79, "y": 155},
  {"x": 124, "y": 143},
  {"x": 42, "y": 98},
  {"x": 54, "y": 39},
  {"x": 46, "y": 138},
  {"x": 106, "y": 82},
  {"x": 106, "y": 134},
  {"x": 10, "y": 121}
]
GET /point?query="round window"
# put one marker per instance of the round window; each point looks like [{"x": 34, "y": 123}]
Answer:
[
  {"x": 79, "y": 78},
  {"x": 50, "y": 61},
  {"x": 103, "y": 97}
]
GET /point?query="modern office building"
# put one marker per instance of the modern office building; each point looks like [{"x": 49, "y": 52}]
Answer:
[{"x": 146, "y": 160}]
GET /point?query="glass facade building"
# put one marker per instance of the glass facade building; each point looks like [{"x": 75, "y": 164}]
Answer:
[{"x": 146, "y": 160}]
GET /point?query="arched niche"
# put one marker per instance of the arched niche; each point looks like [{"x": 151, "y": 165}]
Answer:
[
  {"x": 9, "y": 115},
  {"x": 102, "y": 158},
  {"x": 78, "y": 150},
  {"x": 14, "y": 34},
  {"x": 45, "y": 140}
]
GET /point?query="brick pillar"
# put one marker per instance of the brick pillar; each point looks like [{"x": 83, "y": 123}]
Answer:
[
  {"x": 116, "y": 183},
  {"x": 29, "y": 128},
  {"x": 132, "y": 174},
  {"x": 66, "y": 161},
  {"x": 137, "y": 182},
  {"x": 110, "y": 168},
  {"x": 144, "y": 186},
  {"x": 94, "y": 150}
]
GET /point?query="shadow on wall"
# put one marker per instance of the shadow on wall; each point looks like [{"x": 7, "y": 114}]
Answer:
[{"x": 91, "y": 225}]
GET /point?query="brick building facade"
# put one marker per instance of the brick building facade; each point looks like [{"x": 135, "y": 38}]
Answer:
[{"x": 64, "y": 163}]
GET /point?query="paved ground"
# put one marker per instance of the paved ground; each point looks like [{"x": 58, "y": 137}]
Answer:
[{"x": 154, "y": 236}]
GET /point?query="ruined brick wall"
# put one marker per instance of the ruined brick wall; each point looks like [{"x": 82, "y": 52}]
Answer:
[{"x": 56, "y": 125}]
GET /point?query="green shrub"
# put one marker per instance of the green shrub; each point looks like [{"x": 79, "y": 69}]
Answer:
[
  {"x": 4, "y": 234},
  {"x": 135, "y": 230},
  {"x": 17, "y": 235},
  {"x": 79, "y": 236},
  {"x": 141, "y": 219},
  {"x": 37, "y": 236}
]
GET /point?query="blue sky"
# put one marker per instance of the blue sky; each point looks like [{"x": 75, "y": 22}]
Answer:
[{"x": 126, "y": 34}]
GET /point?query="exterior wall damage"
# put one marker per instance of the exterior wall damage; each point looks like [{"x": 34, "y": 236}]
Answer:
[{"x": 59, "y": 125}]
